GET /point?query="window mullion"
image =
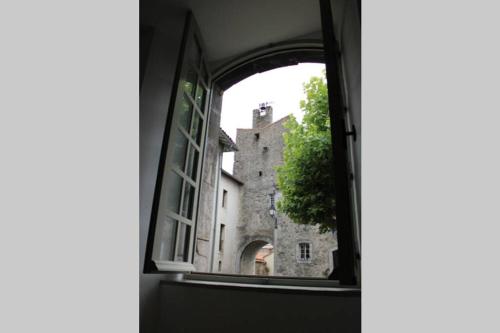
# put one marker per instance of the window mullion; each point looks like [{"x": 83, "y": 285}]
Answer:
[
  {"x": 181, "y": 218},
  {"x": 184, "y": 176},
  {"x": 177, "y": 227},
  {"x": 190, "y": 139},
  {"x": 193, "y": 103}
]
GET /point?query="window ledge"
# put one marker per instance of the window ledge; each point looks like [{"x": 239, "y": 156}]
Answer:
[
  {"x": 290, "y": 285},
  {"x": 174, "y": 266}
]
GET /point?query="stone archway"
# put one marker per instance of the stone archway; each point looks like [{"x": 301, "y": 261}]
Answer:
[{"x": 247, "y": 260}]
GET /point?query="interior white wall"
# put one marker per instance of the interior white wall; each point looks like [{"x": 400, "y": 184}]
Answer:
[
  {"x": 261, "y": 22},
  {"x": 225, "y": 309}
]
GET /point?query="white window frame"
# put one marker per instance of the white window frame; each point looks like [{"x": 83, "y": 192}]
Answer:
[
  {"x": 301, "y": 259},
  {"x": 173, "y": 247}
]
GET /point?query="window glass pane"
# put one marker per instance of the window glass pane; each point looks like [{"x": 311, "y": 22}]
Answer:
[
  {"x": 164, "y": 239},
  {"x": 185, "y": 112},
  {"x": 179, "y": 144},
  {"x": 196, "y": 127},
  {"x": 184, "y": 232},
  {"x": 189, "y": 81},
  {"x": 187, "y": 202},
  {"x": 192, "y": 164},
  {"x": 172, "y": 192},
  {"x": 200, "y": 97}
]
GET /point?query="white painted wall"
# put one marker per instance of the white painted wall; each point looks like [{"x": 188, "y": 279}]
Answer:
[
  {"x": 227, "y": 215},
  {"x": 195, "y": 308}
]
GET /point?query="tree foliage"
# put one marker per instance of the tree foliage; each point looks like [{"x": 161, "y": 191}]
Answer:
[{"x": 305, "y": 179}]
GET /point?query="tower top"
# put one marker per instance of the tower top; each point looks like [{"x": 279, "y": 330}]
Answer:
[{"x": 262, "y": 116}]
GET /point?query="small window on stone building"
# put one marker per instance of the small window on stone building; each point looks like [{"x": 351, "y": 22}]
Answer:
[
  {"x": 260, "y": 173},
  {"x": 265, "y": 149},
  {"x": 224, "y": 197},
  {"x": 304, "y": 252},
  {"x": 222, "y": 236},
  {"x": 220, "y": 265},
  {"x": 257, "y": 135}
]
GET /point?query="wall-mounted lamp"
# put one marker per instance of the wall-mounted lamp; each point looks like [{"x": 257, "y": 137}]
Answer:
[{"x": 272, "y": 212}]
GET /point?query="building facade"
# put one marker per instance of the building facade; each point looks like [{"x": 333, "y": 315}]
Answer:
[
  {"x": 228, "y": 215},
  {"x": 239, "y": 231}
]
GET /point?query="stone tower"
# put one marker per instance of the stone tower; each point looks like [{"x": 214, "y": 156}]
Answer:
[{"x": 260, "y": 151}]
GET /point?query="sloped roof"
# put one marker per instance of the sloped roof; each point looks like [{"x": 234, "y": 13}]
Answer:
[
  {"x": 227, "y": 143},
  {"x": 230, "y": 176}
]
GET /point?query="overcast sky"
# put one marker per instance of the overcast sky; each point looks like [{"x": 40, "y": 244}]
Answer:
[{"x": 282, "y": 87}]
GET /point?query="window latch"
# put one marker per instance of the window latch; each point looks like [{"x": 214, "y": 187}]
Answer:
[{"x": 352, "y": 132}]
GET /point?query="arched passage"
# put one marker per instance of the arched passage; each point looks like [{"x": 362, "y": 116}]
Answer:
[{"x": 249, "y": 256}]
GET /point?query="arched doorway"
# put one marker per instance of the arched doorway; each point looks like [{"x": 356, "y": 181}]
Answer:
[{"x": 257, "y": 258}]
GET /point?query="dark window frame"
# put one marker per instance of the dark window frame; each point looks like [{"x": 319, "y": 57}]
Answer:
[{"x": 327, "y": 54}]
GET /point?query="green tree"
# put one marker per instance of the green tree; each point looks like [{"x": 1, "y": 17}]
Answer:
[{"x": 305, "y": 179}]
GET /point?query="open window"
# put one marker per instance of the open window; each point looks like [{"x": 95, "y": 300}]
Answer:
[
  {"x": 174, "y": 215},
  {"x": 173, "y": 238}
]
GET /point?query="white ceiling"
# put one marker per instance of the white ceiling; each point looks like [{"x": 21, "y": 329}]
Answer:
[{"x": 233, "y": 27}]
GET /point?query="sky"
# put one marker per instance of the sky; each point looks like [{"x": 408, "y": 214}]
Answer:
[{"x": 281, "y": 87}]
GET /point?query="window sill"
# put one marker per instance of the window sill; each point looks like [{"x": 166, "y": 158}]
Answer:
[
  {"x": 277, "y": 284},
  {"x": 174, "y": 266}
]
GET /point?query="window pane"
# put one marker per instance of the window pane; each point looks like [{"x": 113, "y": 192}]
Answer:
[
  {"x": 185, "y": 112},
  {"x": 188, "y": 82},
  {"x": 179, "y": 144},
  {"x": 183, "y": 242},
  {"x": 164, "y": 239},
  {"x": 172, "y": 192},
  {"x": 192, "y": 164},
  {"x": 200, "y": 97},
  {"x": 196, "y": 127},
  {"x": 187, "y": 203}
]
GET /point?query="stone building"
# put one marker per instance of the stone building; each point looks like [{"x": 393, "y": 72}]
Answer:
[
  {"x": 236, "y": 232},
  {"x": 228, "y": 214},
  {"x": 299, "y": 250},
  {"x": 219, "y": 207}
]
